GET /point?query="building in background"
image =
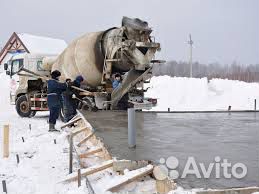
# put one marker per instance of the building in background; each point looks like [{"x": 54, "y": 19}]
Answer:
[{"x": 27, "y": 43}]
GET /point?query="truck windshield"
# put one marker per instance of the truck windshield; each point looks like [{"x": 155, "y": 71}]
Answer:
[{"x": 16, "y": 65}]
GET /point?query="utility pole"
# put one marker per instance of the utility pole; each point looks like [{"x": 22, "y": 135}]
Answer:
[{"x": 190, "y": 42}]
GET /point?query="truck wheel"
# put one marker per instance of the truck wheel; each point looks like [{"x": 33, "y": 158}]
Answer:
[
  {"x": 94, "y": 109},
  {"x": 33, "y": 113},
  {"x": 23, "y": 107}
]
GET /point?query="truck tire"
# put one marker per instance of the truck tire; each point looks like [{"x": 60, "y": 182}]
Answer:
[
  {"x": 33, "y": 113},
  {"x": 23, "y": 107}
]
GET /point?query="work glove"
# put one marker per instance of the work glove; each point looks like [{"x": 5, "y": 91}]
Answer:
[{"x": 69, "y": 84}]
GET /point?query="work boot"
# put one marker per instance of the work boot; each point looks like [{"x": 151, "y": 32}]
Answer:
[{"x": 52, "y": 128}]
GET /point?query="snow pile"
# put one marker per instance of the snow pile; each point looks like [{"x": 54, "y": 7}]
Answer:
[{"x": 193, "y": 94}]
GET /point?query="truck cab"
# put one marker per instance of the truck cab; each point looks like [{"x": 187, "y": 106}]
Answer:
[{"x": 27, "y": 93}]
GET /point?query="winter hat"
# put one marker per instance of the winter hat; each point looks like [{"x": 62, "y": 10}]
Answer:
[
  {"x": 117, "y": 75},
  {"x": 79, "y": 78},
  {"x": 55, "y": 74}
]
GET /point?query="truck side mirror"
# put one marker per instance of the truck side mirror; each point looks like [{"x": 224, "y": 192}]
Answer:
[
  {"x": 8, "y": 72},
  {"x": 5, "y": 66}
]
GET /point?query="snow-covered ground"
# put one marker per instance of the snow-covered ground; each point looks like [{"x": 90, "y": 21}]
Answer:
[
  {"x": 192, "y": 94},
  {"x": 43, "y": 164}
]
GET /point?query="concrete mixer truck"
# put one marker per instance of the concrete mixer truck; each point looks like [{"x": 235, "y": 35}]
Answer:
[{"x": 97, "y": 56}]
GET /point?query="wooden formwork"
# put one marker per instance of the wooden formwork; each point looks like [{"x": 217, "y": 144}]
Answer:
[{"x": 84, "y": 135}]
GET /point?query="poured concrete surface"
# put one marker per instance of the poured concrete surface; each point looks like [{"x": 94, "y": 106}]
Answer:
[{"x": 204, "y": 136}]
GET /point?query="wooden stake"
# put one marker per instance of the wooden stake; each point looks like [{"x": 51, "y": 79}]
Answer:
[
  {"x": 30, "y": 127},
  {"x": 55, "y": 141},
  {"x": 70, "y": 154},
  {"x": 22, "y": 139},
  {"x": 4, "y": 186},
  {"x": 160, "y": 173},
  {"x": 17, "y": 159},
  {"x": 79, "y": 178},
  {"x": 163, "y": 186},
  {"x": 6, "y": 141}
]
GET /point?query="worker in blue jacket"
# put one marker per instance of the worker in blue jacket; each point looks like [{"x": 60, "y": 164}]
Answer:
[
  {"x": 117, "y": 81},
  {"x": 55, "y": 88}
]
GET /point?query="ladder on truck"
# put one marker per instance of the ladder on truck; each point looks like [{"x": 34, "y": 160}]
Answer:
[{"x": 107, "y": 64}]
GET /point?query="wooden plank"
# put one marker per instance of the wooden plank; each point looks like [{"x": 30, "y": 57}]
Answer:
[
  {"x": 71, "y": 122},
  {"x": 130, "y": 177},
  {"x": 106, "y": 154},
  {"x": 90, "y": 170},
  {"x": 82, "y": 90},
  {"x": 121, "y": 165},
  {"x": 86, "y": 94},
  {"x": 6, "y": 141},
  {"x": 78, "y": 130},
  {"x": 85, "y": 139},
  {"x": 91, "y": 152},
  {"x": 163, "y": 186},
  {"x": 160, "y": 172},
  {"x": 79, "y": 178}
]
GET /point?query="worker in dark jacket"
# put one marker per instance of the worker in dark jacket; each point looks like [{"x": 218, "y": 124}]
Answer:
[
  {"x": 70, "y": 105},
  {"x": 55, "y": 89},
  {"x": 66, "y": 106}
]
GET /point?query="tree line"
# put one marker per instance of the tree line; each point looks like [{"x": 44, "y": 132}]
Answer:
[{"x": 234, "y": 71}]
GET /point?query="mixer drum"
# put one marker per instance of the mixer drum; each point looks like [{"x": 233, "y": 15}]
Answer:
[
  {"x": 82, "y": 57},
  {"x": 126, "y": 48}
]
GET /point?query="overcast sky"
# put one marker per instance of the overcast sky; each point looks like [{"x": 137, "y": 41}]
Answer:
[{"x": 223, "y": 30}]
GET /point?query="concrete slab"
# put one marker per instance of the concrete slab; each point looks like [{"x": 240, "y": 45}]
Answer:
[{"x": 204, "y": 136}]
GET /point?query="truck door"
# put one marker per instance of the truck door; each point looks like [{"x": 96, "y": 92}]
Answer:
[{"x": 14, "y": 81}]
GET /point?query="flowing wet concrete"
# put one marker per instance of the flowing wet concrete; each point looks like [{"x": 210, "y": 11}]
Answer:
[{"x": 204, "y": 136}]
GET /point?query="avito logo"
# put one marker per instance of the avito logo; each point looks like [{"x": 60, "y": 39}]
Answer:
[{"x": 219, "y": 168}]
